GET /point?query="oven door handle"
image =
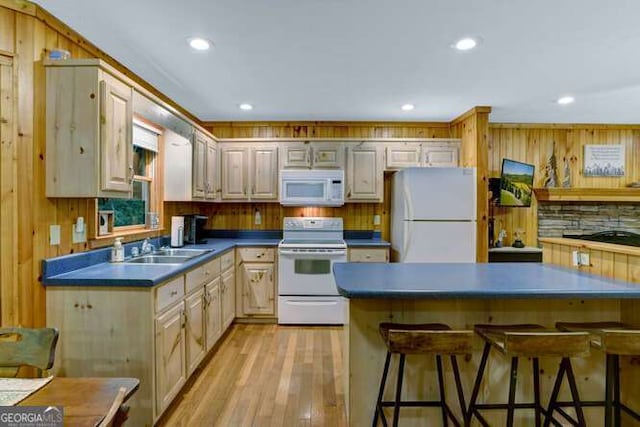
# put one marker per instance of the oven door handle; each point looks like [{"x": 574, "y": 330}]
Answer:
[{"x": 314, "y": 254}]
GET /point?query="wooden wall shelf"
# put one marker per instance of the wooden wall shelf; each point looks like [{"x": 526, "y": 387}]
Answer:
[{"x": 622, "y": 194}]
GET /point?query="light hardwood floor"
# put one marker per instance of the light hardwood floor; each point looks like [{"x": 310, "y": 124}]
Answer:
[{"x": 266, "y": 375}]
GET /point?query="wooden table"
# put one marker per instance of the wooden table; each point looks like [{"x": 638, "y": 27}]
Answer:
[{"x": 85, "y": 400}]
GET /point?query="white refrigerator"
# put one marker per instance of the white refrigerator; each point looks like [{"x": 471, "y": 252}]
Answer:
[{"x": 433, "y": 215}]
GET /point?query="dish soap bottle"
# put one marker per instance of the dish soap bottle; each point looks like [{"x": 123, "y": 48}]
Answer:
[{"x": 117, "y": 252}]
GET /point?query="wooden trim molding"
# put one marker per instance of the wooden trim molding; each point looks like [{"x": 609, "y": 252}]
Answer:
[
  {"x": 351, "y": 124},
  {"x": 586, "y": 244},
  {"x": 587, "y": 194},
  {"x": 565, "y": 126},
  {"x": 381, "y": 140},
  {"x": 21, "y": 6},
  {"x": 475, "y": 110}
]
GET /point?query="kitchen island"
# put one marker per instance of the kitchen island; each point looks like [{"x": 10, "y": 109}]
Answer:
[{"x": 462, "y": 295}]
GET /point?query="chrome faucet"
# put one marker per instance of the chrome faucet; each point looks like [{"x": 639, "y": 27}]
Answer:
[{"x": 147, "y": 247}]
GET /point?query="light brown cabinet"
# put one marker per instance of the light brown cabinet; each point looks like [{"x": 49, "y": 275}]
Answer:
[
  {"x": 195, "y": 328},
  {"x": 89, "y": 126},
  {"x": 312, "y": 155},
  {"x": 256, "y": 285},
  {"x": 440, "y": 155},
  {"x": 249, "y": 172},
  {"x": 368, "y": 255},
  {"x": 205, "y": 167},
  {"x": 213, "y": 314},
  {"x": 364, "y": 177},
  {"x": 402, "y": 155},
  {"x": 228, "y": 298},
  {"x": 171, "y": 366}
]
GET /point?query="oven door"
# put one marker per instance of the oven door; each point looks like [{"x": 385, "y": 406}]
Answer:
[{"x": 308, "y": 273}]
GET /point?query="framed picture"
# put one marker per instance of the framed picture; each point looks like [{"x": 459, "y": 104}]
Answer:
[{"x": 604, "y": 160}]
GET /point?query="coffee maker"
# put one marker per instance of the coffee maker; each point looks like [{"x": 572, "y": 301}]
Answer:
[{"x": 194, "y": 228}]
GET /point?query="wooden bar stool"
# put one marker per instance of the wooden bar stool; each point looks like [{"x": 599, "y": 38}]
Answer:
[
  {"x": 615, "y": 339},
  {"x": 430, "y": 338},
  {"x": 534, "y": 341}
]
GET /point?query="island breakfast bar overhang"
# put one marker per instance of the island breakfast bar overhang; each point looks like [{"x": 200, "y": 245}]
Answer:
[{"x": 462, "y": 295}]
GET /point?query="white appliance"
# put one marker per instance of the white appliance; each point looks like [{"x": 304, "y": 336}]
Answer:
[
  {"x": 304, "y": 187},
  {"x": 177, "y": 231},
  {"x": 433, "y": 215},
  {"x": 307, "y": 291}
]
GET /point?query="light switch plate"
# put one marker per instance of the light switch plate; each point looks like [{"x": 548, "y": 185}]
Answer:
[
  {"x": 54, "y": 234},
  {"x": 376, "y": 220},
  {"x": 575, "y": 259},
  {"x": 584, "y": 258}
]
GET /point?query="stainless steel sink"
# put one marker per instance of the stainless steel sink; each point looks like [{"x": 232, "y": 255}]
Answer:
[
  {"x": 182, "y": 252},
  {"x": 158, "y": 259}
]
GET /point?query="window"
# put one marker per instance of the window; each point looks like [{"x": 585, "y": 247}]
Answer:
[{"x": 131, "y": 213}]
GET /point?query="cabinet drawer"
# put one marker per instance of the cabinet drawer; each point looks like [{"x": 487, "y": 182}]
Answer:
[
  {"x": 169, "y": 293},
  {"x": 203, "y": 274},
  {"x": 257, "y": 254},
  {"x": 368, "y": 255},
  {"x": 227, "y": 260}
]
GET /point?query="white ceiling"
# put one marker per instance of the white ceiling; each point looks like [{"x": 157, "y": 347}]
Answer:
[{"x": 363, "y": 59}]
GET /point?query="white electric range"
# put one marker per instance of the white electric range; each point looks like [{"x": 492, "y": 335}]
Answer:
[{"x": 307, "y": 291}]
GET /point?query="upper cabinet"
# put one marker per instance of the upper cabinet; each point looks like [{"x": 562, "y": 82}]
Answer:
[
  {"x": 205, "y": 167},
  {"x": 249, "y": 172},
  {"x": 402, "y": 155},
  {"x": 364, "y": 177},
  {"x": 440, "y": 154},
  {"x": 89, "y": 123},
  {"x": 312, "y": 155}
]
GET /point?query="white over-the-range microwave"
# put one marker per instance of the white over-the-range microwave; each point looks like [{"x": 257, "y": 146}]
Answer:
[{"x": 305, "y": 187}]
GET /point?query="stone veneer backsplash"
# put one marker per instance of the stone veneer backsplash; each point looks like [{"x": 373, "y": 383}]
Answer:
[{"x": 554, "y": 219}]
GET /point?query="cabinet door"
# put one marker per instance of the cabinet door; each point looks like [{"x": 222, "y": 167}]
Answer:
[
  {"x": 258, "y": 289},
  {"x": 116, "y": 135},
  {"x": 328, "y": 155},
  {"x": 171, "y": 363},
  {"x": 364, "y": 173},
  {"x": 195, "y": 330},
  {"x": 199, "y": 165},
  {"x": 178, "y": 166},
  {"x": 440, "y": 155},
  {"x": 264, "y": 173},
  {"x": 213, "y": 313},
  {"x": 234, "y": 167},
  {"x": 402, "y": 156},
  {"x": 228, "y": 298},
  {"x": 211, "y": 181},
  {"x": 296, "y": 155}
]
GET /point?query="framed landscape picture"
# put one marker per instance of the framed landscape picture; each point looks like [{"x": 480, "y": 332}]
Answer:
[{"x": 604, "y": 160}]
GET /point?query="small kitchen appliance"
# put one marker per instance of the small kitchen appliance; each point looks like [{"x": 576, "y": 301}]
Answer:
[
  {"x": 304, "y": 187},
  {"x": 177, "y": 231},
  {"x": 306, "y": 286},
  {"x": 194, "y": 228}
]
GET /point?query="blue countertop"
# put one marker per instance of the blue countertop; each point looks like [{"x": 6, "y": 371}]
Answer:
[
  {"x": 139, "y": 275},
  {"x": 500, "y": 280},
  {"x": 367, "y": 243}
]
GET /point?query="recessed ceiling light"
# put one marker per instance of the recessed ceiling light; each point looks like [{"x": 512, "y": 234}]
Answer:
[
  {"x": 408, "y": 107},
  {"x": 199, "y": 43},
  {"x": 246, "y": 107},
  {"x": 466, "y": 43},
  {"x": 566, "y": 100}
]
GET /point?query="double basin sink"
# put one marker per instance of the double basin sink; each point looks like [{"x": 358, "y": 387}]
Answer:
[{"x": 168, "y": 256}]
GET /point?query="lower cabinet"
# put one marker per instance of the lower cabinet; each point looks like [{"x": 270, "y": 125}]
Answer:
[
  {"x": 158, "y": 334},
  {"x": 256, "y": 286},
  {"x": 171, "y": 366},
  {"x": 368, "y": 254}
]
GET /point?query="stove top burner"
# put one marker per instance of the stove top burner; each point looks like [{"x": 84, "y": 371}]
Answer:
[{"x": 617, "y": 237}]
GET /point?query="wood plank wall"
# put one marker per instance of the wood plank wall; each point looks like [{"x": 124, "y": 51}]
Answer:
[
  {"x": 533, "y": 143},
  {"x": 26, "y": 35},
  {"x": 473, "y": 128},
  {"x": 357, "y": 216}
]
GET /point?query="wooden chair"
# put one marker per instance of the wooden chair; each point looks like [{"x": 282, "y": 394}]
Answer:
[
  {"x": 531, "y": 341},
  {"x": 26, "y": 347},
  {"x": 615, "y": 339},
  {"x": 111, "y": 419}
]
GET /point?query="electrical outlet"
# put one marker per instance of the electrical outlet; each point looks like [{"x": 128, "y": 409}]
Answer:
[
  {"x": 376, "y": 220},
  {"x": 584, "y": 258},
  {"x": 575, "y": 259},
  {"x": 54, "y": 234},
  {"x": 257, "y": 220},
  {"x": 80, "y": 237}
]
